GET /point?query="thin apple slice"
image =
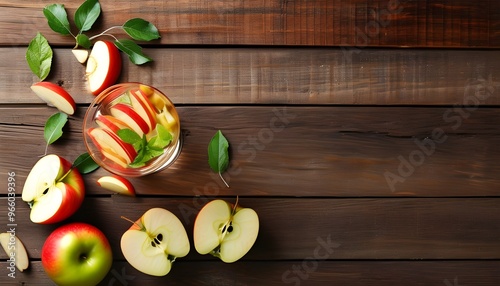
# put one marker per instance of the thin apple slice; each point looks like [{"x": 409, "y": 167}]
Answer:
[
  {"x": 15, "y": 248},
  {"x": 166, "y": 119},
  {"x": 55, "y": 95},
  {"x": 81, "y": 55},
  {"x": 143, "y": 107},
  {"x": 157, "y": 101},
  {"x": 110, "y": 123},
  {"x": 129, "y": 116},
  {"x": 103, "y": 66},
  {"x": 105, "y": 139},
  {"x": 115, "y": 158},
  {"x": 117, "y": 184}
]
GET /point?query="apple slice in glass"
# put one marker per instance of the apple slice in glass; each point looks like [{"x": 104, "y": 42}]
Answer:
[{"x": 107, "y": 140}]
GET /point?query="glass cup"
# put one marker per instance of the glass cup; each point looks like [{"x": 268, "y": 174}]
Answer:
[{"x": 124, "y": 119}]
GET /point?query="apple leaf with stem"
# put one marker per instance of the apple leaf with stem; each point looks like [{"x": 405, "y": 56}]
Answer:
[
  {"x": 39, "y": 56},
  {"x": 141, "y": 30},
  {"x": 87, "y": 14},
  {"x": 57, "y": 18},
  {"x": 53, "y": 128},
  {"x": 133, "y": 50},
  {"x": 85, "y": 164},
  {"x": 218, "y": 155}
]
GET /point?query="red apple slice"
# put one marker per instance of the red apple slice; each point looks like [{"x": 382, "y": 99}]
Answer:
[
  {"x": 110, "y": 123},
  {"x": 117, "y": 184},
  {"x": 129, "y": 116},
  {"x": 103, "y": 66},
  {"x": 115, "y": 158},
  {"x": 53, "y": 189},
  {"x": 54, "y": 95},
  {"x": 105, "y": 139},
  {"x": 143, "y": 107}
]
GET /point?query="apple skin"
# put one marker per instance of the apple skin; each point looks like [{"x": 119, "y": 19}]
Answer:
[
  {"x": 67, "y": 186},
  {"x": 117, "y": 184},
  {"x": 104, "y": 61},
  {"x": 77, "y": 254}
]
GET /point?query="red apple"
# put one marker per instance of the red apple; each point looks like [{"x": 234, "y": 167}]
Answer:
[
  {"x": 77, "y": 254},
  {"x": 105, "y": 140},
  {"x": 117, "y": 184},
  {"x": 129, "y": 116},
  {"x": 55, "y": 95},
  {"x": 53, "y": 189},
  {"x": 103, "y": 66}
]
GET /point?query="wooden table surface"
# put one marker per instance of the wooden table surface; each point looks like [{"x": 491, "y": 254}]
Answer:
[{"x": 364, "y": 133}]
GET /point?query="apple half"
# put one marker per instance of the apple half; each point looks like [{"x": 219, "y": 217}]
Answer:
[
  {"x": 154, "y": 241},
  {"x": 55, "y": 95},
  {"x": 53, "y": 189},
  {"x": 15, "y": 248},
  {"x": 117, "y": 184},
  {"x": 225, "y": 231},
  {"x": 103, "y": 66}
]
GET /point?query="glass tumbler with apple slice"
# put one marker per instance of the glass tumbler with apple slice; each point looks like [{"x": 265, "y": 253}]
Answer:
[{"x": 132, "y": 129}]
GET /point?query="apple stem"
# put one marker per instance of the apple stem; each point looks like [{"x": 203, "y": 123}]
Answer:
[
  {"x": 131, "y": 221},
  {"x": 105, "y": 32},
  {"x": 222, "y": 178}
]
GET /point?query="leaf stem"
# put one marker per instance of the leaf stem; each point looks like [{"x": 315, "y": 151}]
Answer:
[
  {"x": 222, "y": 178},
  {"x": 105, "y": 33}
]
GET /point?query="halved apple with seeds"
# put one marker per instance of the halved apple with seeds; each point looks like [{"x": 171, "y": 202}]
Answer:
[{"x": 154, "y": 242}]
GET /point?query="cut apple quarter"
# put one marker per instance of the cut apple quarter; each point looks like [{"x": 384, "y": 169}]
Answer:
[
  {"x": 55, "y": 95},
  {"x": 225, "y": 231},
  {"x": 117, "y": 184},
  {"x": 154, "y": 241},
  {"x": 15, "y": 248}
]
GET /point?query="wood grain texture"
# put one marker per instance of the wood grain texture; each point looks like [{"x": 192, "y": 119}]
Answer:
[
  {"x": 284, "y": 76},
  {"x": 299, "y": 151},
  {"x": 293, "y": 228},
  {"x": 396, "y": 23},
  {"x": 356, "y": 273}
]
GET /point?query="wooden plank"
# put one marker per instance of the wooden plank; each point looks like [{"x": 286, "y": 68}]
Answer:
[
  {"x": 356, "y": 273},
  {"x": 293, "y": 228},
  {"x": 284, "y": 76},
  {"x": 400, "y": 23},
  {"x": 299, "y": 151}
]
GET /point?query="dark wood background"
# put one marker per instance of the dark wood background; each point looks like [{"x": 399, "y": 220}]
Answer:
[{"x": 360, "y": 90}]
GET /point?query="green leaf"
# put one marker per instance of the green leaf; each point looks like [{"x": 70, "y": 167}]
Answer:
[
  {"x": 218, "y": 155},
  {"x": 83, "y": 40},
  {"x": 141, "y": 30},
  {"x": 57, "y": 18},
  {"x": 85, "y": 164},
  {"x": 133, "y": 51},
  {"x": 39, "y": 56},
  {"x": 162, "y": 139},
  {"x": 129, "y": 136},
  {"x": 87, "y": 14},
  {"x": 53, "y": 127}
]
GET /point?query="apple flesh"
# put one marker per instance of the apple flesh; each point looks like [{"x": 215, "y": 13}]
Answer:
[
  {"x": 117, "y": 184},
  {"x": 55, "y": 95},
  {"x": 225, "y": 231},
  {"x": 103, "y": 66},
  {"x": 80, "y": 55},
  {"x": 53, "y": 189},
  {"x": 107, "y": 140},
  {"x": 154, "y": 241},
  {"x": 15, "y": 249},
  {"x": 76, "y": 254}
]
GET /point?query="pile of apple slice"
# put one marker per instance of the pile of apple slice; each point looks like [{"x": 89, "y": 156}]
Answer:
[{"x": 140, "y": 110}]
